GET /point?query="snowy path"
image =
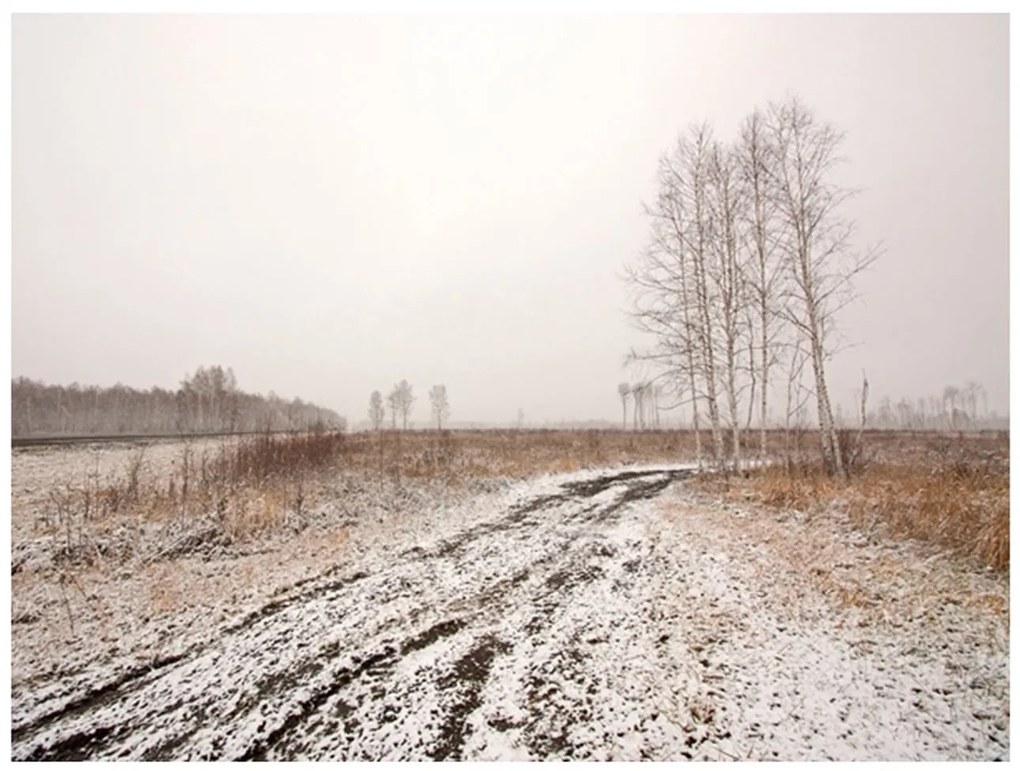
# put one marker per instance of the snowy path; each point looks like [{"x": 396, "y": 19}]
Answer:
[{"x": 574, "y": 623}]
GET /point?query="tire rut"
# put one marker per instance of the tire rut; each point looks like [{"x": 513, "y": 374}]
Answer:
[{"x": 466, "y": 647}]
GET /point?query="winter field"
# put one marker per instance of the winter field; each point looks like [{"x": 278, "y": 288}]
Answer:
[{"x": 514, "y": 595}]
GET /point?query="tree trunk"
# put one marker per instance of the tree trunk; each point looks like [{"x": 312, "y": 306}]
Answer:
[
  {"x": 830, "y": 439},
  {"x": 762, "y": 418}
]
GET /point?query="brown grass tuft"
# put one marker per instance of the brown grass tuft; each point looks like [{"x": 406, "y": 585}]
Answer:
[{"x": 960, "y": 504}]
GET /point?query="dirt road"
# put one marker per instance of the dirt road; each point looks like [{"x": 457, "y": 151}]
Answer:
[{"x": 561, "y": 627}]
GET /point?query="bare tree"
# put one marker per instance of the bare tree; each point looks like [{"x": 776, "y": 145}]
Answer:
[
  {"x": 694, "y": 155},
  {"x": 670, "y": 227},
  {"x": 725, "y": 200},
  {"x": 376, "y": 412},
  {"x": 971, "y": 391},
  {"x": 796, "y": 394},
  {"x": 624, "y": 390},
  {"x": 393, "y": 402},
  {"x": 905, "y": 414},
  {"x": 440, "y": 404},
  {"x": 756, "y": 155},
  {"x": 747, "y": 249},
  {"x": 665, "y": 287},
  {"x": 950, "y": 395},
  {"x": 404, "y": 400},
  {"x": 815, "y": 245},
  {"x": 639, "y": 391},
  {"x": 658, "y": 390},
  {"x": 854, "y": 452}
]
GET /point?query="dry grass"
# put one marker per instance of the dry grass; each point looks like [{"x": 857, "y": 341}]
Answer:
[
  {"x": 239, "y": 491},
  {"x": 244, "y": 489},
  {"x": 947, "y": 492},
  {"x": 803, "y": 559},
  {"x": 459, "y": 456},
  {"x": 964, "y": 507}
]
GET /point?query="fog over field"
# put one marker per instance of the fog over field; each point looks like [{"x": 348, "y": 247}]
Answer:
[
  {"x": 509, "y": 387},
  {"x": 329, "y": 205}
]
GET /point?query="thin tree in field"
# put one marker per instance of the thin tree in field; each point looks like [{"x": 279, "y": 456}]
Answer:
[
  {"x": 624, "y": 391},
  {"x": 440, "y": 404},
  {"x": 796, "y": 395},
  {"x": 404, "y": 400},
  {"x": 725, "y": 201},
  {"x": 970, "y": 391},
  {"x": 950, "y": 394},
  {"x": 393, "y": 402},
  {"x": 663, "y": 290},
  {"x": 376, "y": 412},
  {"x": 815, "y": 245},
  {"x": 694, "y": 157},
  {"x": 670, "y": 227},
  {"x": 756, "y": 155},
  {"x": 638, "y": 392}
]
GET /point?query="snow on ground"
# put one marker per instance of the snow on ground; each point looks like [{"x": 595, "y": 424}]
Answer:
[
  {"x": 612, "y": 614},
  {"x": 831, "y": 644}
]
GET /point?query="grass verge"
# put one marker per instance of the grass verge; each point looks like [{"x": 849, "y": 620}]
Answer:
[{"x": 957, "y": 501}]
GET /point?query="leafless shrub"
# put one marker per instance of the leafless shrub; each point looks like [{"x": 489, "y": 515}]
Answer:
[
  {"x": 269, "y": 456},
  {"x": 133, "y": 481}
]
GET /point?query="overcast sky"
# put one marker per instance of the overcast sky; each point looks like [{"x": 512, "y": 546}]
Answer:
[{"x": 331, "y": 204}]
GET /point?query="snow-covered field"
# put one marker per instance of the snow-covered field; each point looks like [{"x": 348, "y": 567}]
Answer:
[{"x": 606, "y": 614}]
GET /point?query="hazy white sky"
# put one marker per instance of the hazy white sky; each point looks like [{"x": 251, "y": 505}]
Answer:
[{"x": 331, "y": 204}]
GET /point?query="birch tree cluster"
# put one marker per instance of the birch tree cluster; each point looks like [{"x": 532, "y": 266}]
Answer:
[
  {"x": 644, "y": 399},
  {"x": 957, "y": 408},
  {"x": 400, "y": 401},
  {"x": 749, "y": 260}
]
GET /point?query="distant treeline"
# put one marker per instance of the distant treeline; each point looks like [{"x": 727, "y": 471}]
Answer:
[{"x": 208, "y": 401}]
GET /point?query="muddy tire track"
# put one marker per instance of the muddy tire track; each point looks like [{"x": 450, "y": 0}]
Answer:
[{"x": 414, "y": 657}]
